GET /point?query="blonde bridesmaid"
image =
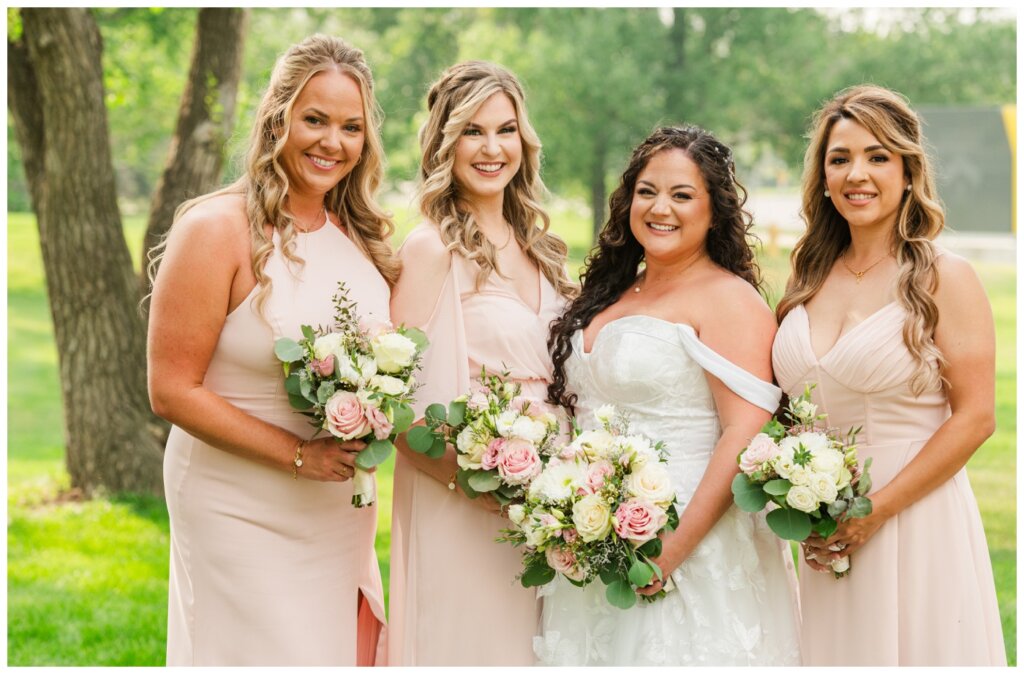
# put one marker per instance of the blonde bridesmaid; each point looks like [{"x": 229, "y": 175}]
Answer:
[
  {"x": 270, "y": 564},
  {"x": 483, "y": 277},
  {"x": 898, "y": 336}
]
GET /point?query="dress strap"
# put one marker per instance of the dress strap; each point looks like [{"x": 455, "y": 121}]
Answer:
[{"x": 748, "y": 386}]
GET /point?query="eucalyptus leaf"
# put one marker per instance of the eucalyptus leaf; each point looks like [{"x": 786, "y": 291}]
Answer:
[
  {"x": 790, "y": 524},
  {"x": 403, "y": 417},
  {"x": 640, "y": 573},
  {"x": 777, "y": 487},
  {"x": 435, "y": 414},
  {"x": 748, "y": 496},
  {"x": 608, "y": 576},
  {"x": 306, "y": 388},
  {"x": 484, "y": 481},
  {"x": 456, "y": 413},
  {"x": 861, "y": 507},
  {"x": 837, "y": 507},
  {"x": 651, "y": 548},
  {"x": 774, "y": 429},
  {"x": 437, "y": 449},
  {"x": 308, "y": 333},
  {"x": 620, "y": 594},
  {"x": 420, "y": 439},
  {"x": 864, "y": 483},
  {"x": 418, "y": 337},
  {"x": 291, "y": 384},
  {"x": 324, "y": 392},
  {"x": 462, "y": 477},
  {"x": 825, "y": 527},
  {"x": 299, "y": 402},
  {"x": 376, "y": 453},
  {"x": 287, "y": 350},
  {"x": 542, "y": 574}
]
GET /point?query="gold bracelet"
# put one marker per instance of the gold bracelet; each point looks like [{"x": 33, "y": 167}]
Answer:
[{"x": 297, "y": 461}]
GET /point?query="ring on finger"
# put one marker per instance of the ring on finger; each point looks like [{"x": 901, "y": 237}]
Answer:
[{"x": 837, "y": 547}]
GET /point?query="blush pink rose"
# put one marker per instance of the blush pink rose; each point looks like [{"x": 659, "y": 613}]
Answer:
[
  {"x": 597, "y": 472},
  {"x": 761, "y": 449},
  {"x": 379, "y": 422},
  {"x": 323, "y": 367},
  {"x": 519, "y": 462},
  {"x": 639, "y": 521},
  {"x": 570, "y": 535},
  {"x": 345, "y": 416},
  {"x": 564, "y": 561},
  {"x": 492, "y": 454}
]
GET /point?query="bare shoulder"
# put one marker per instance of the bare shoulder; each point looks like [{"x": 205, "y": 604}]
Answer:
[
  {"x": 423, "y": 243},
  {"x": 219, "y": 223},
  {"x": 960, "y": 292},
  {"x": 425, "y": 265},
  {"x": 728, "y": 300}
]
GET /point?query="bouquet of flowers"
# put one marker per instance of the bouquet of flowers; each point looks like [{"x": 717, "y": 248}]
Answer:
[
  {"x": 355, "y": 382},
  {"x": 596, "y": 510},
  {"x": 811, "y": 476},
  {"x": 502, "y": 439}
]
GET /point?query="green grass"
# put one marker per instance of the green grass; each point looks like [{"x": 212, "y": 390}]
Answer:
[{"x": 87, "y": 581}]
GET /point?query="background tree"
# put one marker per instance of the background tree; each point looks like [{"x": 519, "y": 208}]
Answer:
[{"x": 57, "y": 100}]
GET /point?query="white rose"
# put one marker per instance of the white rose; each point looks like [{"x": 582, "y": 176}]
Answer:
[
  {"x": 828, "y": 461},
  {"x": 799, "y": 476},
  {"x": 604, "y": 414},
  {"x": 802, "y": 498},
  {"x": 393, "y": 351},
  {"x": 650, "y": 483},
  {"x": 328, "y": 345},
  {"x": 504, "y": 422},
  {"x": 592, "y": 518},
  {"x": 824, "y": 487},
  {"x": 528, "y": 429},
  {"x": 392, "y": 386},
  {"x": 596, "y": 444},
  {"x": 841, "y": 565},
  {"x": 345, "y": 371},
  {"x": 471, "y": 444},
  {"x": 844, "y": 478},
  {"x": 516, "y": 513},
  {"x": 367, "y": 368},
  {"x": 783, "y": 462}
]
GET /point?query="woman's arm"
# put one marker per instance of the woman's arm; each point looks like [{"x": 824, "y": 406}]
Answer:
[
  {"x": 204, "y": 272},
  {"x": 965, "y": 334},
  {"x": 741, "y": 328}
]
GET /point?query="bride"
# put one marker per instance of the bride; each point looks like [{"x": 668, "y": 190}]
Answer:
[{"x": 684, "y": 347}]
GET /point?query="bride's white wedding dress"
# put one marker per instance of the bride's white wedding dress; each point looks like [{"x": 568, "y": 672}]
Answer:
[{"x": 735, "y": 598}]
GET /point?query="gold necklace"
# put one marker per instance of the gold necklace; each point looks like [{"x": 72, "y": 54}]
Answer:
[
  {"x": 860, "y": 274},
  {"x": 305, "y": 228}
]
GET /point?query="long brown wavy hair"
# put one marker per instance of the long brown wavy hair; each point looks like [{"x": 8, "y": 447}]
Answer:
[
  {"x": 265, "y": 182},
  {"x": 888, "y": 116},
  {"x": 612, "y": 266},
  {"x": 452, "y": 102}
]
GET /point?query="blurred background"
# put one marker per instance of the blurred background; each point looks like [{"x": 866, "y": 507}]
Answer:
[{"x": 87, "y": 551}]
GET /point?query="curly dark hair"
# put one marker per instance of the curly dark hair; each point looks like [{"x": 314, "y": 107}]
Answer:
[{"x": 613, "y": 264}]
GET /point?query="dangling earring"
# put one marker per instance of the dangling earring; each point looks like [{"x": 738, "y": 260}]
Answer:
[
  {"x": 908, "y": 187},
  {"x": 827, "y": 194}
]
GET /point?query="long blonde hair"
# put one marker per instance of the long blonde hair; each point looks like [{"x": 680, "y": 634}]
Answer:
[
  {"x": 265, "y": 183},
  {"x": 888, "y": 116},
  {"x": 452, "y": 102}
]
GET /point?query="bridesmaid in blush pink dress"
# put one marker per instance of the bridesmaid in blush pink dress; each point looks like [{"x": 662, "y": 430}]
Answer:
[
  {"x": 484, "y": 281},
  {"x": 270, "y": 565},
  {"x": 899, "y": 339}
]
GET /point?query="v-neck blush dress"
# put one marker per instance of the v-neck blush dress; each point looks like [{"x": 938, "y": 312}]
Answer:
[
  {"x": 920, "y": 591},
  {"x": 266, "y": 570},
  {"x": 454, "y": 595}
]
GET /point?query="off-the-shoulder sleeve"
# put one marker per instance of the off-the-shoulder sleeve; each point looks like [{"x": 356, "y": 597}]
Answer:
[
  {"x": 444, "y": 372},
  {"x": 744, "y": 384}
]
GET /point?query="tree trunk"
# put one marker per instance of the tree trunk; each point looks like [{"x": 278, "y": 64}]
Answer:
[
  {"x": 204, "y": 124},
  {"x": 675, "y": 86},
  {"x": 598, "y": 192},
  {"x": 113, "y": 438}
]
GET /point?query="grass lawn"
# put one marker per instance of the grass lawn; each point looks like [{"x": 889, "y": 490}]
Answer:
[{"x": 87, "y": 581}]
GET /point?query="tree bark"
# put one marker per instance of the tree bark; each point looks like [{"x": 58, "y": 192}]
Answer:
[
  {"x": 676, "y": 90},
  {"x": 205, "y": 120},
  {"x": 113, "y": 439}
]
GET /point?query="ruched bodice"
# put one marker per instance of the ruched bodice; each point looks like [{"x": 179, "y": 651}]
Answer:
[
  {"x": 887, "y": 611},
  {"x": 735, "y": 602},
  {"x": 266, "y": 569}
]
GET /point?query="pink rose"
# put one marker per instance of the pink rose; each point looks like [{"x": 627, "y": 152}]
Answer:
[
  {"x": 596, "y": 474},
  {"x": 639, "y": 521},
  {"x": 379, "y": 422},
  {"x": 345, "y": 417},
  {"x": 761, "y": 449},
  {"x": 570, "y": 535},
  {"x": 373, "y": 328},
  {"x": 519, "y": 462},
  {"x": 564, "y": 561},
  {"x": 492, "y": 455},
  {"x": 323, "y": 367}
]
